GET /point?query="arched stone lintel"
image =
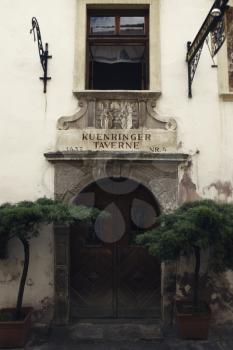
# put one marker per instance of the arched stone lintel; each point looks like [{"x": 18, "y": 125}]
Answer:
[{"x": 161, "y": 182}]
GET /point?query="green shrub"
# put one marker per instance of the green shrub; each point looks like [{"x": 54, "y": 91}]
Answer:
[
  {"x": 22, "y": 221},
  {"x": 191, "y": 228}
]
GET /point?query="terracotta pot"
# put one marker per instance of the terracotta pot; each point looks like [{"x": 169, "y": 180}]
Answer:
[
  {"x": 14, "y": 334},
  {"x": 193, "y": 326}
]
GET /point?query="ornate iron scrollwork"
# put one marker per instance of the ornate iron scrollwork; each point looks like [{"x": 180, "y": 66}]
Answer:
[
  {"x": 218, "y": 36},
  {"x": 192, "y": 67},
  {"x": 215, "y": 27},
  {"x": 43, "y": 53}
]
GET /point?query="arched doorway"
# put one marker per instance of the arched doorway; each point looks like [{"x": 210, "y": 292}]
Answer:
[{"x": 110, "y": 276}]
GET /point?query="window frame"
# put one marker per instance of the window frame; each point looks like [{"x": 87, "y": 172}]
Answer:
[
  {"x": 223, "y": 73},
  {"x": 117, "y": 39},
  {"x": 79, "y": 48},
  {"x": 117, "y": 14}
]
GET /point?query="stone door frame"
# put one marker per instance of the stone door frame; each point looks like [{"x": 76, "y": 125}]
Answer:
[{"x": 72, "y": 174}]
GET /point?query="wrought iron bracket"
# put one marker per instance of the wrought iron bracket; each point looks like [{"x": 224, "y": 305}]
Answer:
[
  {"x": 43, "y": 53},
  {"x": 214, "y": 26},
  {"x": 192, "y": 66}
]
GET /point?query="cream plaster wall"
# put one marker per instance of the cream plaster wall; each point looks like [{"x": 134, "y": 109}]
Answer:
[
  {"x": 28, "y": 128},
  {"x": 28, "y": 117},
  {"x": 205, "y": 121}
]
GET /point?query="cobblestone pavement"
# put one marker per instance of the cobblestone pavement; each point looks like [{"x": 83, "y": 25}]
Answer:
[
  {"x": 122, "y": 337},
  {"x": 160, "y": 345}
]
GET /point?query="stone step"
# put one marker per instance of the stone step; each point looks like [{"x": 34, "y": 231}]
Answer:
[{"x": 110, "y": 331}]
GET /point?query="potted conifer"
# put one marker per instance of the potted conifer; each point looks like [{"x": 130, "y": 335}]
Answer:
[
  {"x": 22, "y": 221},
  {"x": 191, "y": 230}
]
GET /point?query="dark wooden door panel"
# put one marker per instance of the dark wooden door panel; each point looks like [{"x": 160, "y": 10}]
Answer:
[
  {"x": 92, "y": 283},
  {"x": 114, "y": 279},
  {"x": 139, "y": 283}
]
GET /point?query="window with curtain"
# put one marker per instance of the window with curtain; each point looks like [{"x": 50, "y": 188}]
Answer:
[{"x": 117, "y": 50}]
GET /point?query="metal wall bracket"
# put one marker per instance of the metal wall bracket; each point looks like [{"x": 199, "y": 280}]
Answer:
[
  {"x": 43, "y": 53},
  {"x": 216, "y": 28}
]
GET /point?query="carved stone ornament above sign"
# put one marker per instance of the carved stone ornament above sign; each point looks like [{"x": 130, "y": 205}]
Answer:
[
  {"x": 65, "y": 122},
  {"x": 112, "y": 114},
  {"x": 116, "y": 122}
]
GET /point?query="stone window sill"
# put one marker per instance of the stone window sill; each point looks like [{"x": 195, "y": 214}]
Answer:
[
  {"x": 117, "y": 94},
  {"x": 226, "y": 96}
]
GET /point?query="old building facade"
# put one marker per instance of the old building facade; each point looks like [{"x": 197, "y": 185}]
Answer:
[{"x": 115, "y": 130}]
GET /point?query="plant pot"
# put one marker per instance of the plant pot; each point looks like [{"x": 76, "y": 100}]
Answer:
[
  {"x": 14, "y": 334},
  {"x": 192, "y": 325}
]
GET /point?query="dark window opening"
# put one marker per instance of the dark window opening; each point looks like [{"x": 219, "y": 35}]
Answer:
[
  {"x": 117, "y": 51},
  {"x": 118, "y": 76}
]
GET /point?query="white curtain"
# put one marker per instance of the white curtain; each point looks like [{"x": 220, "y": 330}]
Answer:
[{"x": 117, "y": 54}]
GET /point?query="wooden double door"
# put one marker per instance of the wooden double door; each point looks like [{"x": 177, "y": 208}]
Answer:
[{"x": 110, "y": 276}]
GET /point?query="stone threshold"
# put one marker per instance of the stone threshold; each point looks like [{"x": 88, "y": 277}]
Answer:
[{"x": 127, "y": 330}]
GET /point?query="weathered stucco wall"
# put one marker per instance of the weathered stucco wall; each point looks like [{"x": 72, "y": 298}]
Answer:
[
  {"x": 39, "y": 290},
  {"x": 28, "y": 117}
]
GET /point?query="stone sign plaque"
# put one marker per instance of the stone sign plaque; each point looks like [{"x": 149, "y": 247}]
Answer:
[
  {"x": 122, "y": 122},
  {"x": 91, "y": 139}
]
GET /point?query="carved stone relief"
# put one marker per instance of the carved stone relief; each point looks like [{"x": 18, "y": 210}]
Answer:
[
  {"x": 112, "y": 114},
  {"x": 117, "y": 112}
]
